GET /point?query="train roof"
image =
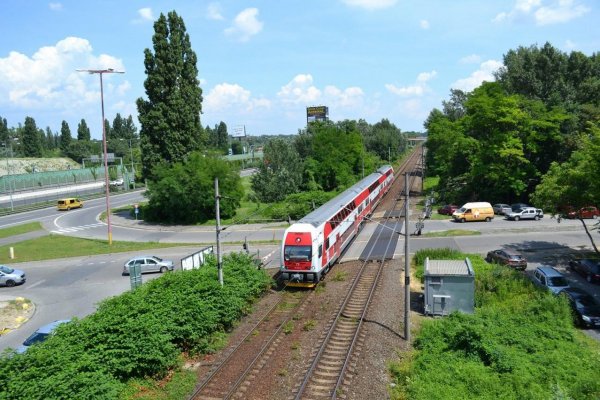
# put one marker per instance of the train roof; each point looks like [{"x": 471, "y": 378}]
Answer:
[{"x": 329, "y": 209}]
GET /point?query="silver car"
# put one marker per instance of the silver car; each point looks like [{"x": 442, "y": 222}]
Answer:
[
  {"x": 10, "y": 276},
  {"x": 149, "y": 264}
]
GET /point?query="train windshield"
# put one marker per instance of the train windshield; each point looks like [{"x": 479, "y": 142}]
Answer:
[{"x": 297, "y": 253}]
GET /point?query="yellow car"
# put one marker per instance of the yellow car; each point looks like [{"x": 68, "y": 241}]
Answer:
[{"x": 67, "y": 204}]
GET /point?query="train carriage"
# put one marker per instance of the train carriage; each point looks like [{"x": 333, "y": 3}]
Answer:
[{"x": 313, "y": 244}]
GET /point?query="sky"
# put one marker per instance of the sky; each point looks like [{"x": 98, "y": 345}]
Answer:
[{"x": 262, "y": 62}]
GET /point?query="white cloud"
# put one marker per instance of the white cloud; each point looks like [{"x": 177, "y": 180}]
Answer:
[
  {"x": 470, "y": 59},
  {"x": 213, "y": 11},
  {"x": 559, "y": 11},
  {"x": 370, "y": 4},
  {"x": 55, "y": 6},
  {"x": 145, "y": 14},
  {"x": 227, "y": 96},
  {"x": 48, "y": 81},
  {"x": 418, "y": 89},
  {"x": 245, "y": 25},
  {"x": 300, "y": 90},
  {"x": 424, "y": 24},
  {"x": 484, "y": 73},
  {"x": 564, "y": 11}
]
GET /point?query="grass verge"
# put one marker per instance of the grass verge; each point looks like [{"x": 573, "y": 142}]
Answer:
[
  {"x": 58, "y": 246},
  {"x": 20, "y": 229},
  {"x": 452, "y": 232}
]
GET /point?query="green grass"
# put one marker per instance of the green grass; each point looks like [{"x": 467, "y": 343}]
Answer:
[
  {"x": 452, "y": 232},
  {"x": 57, "y": 246},
  {"x": 431, "y": 183},
  {"x": 520, "y": 343},
  {"x": 20, "y": 229}
]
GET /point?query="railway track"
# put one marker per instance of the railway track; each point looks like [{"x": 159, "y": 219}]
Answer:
[
  {"x": 231, "y": 377},
  {"x": 236, "y": 373},
  {"x": 325, "y": 378}
]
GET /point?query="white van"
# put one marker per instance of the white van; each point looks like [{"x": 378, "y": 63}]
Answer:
[{"x": 476, "y": 211}]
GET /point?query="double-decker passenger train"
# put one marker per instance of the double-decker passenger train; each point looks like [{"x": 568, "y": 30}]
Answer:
[{"x": 313, "y": 244}]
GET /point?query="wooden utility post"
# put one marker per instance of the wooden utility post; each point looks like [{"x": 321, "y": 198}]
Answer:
[
  {"x": 218, "y": 214},
  {"x": 406, "y": 264}
]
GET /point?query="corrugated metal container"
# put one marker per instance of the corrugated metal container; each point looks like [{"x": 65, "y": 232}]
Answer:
[{"x": 449, "y": 286}]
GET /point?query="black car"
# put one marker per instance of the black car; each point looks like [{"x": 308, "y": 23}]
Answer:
[
  {"x": 590, "y": 269},
  {"x": 508, "y": 257},
  {"x": 585, "y": 307}
]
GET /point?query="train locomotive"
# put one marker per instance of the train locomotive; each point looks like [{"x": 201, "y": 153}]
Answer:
[{"x": 313, "y": 244}]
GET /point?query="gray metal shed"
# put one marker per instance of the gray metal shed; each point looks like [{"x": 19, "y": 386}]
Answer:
[{"x": 449, "y": 286}]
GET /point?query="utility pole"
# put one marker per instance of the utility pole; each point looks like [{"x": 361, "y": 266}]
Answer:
[
  {"x": 422, "y": 168},
  {"x": 219, "y": 258},
  {"x": 406, "y": 264}
]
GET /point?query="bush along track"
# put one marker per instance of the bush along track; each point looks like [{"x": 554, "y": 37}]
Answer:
[
  {"x": 519, "y": 344},
  {"x": 138, "y": 334}
]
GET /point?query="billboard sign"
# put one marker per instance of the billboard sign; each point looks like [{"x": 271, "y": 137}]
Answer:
[{"x": 318, "y": 113}]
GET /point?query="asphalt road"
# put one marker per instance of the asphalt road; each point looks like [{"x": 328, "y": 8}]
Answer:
[{"x": 62, "y": 289}]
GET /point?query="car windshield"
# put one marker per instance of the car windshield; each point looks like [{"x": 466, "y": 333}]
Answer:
[
  {"x": 557, "y": 281},
  {"x": 586, "y": 301},
  {"x": 297, "y": 253},
  {"x": 157, "y": 258},
  {"x": 36, "y": 337},
  {"x": 6, "y": 269},
  {"x": 516, "y": 257}
]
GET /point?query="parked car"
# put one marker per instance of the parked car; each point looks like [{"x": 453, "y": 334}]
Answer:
[
  {"x": 116, "y": 182},
  {"x": 10, "y": 276},
  {"x": 516, "y": 206},
  {"x": 584, "y": 213},
  {"x": 501, "y": 209},
  {"x": 447, "y": 209},
  {"x": 585, "y": 308},
  {"x": 508, "y": 257},
  {"x": 525, "y": 213},
  {"x": 40, "y": 335},
  {"x": 69, "y": 203},
  {"x": 590, "y": 269},
  {"x": 149, "y": 264},
  {"x": 550, "y": 279}
]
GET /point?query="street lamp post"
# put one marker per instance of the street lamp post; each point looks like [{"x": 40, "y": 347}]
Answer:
[{"x": 106, "y": 183}]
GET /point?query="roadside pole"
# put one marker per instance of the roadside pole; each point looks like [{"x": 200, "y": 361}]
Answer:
[
  {"x": 406, "y": 264},
  {"x": 218, "y": 215}
]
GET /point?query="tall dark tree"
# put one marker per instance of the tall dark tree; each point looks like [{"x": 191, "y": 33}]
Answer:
[
  {"x": 222, "y": 136},
  {"x": 32, "y": 147},
  {"x": 83, "y": 132},
  {"x": 107, "y": 129},
  {"x": 280, "y": 174},
  {"x": 50, "y": 139},
  {"x": 65, "y": 137},
  {"x": 118, "y": 127},
  {"x": 129, "y": 129},
  {"x": 170, "y": 117},
  {"x": 3, "y": 130}
]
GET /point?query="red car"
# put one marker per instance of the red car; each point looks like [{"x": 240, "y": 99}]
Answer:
[
  {"x": 448, "y": 209},
  {"x": 584, "y": 212}
]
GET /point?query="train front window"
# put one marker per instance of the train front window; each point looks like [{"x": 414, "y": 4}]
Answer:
[{"x": 297, "y": 253}]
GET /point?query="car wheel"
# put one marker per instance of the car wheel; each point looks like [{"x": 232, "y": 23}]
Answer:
[
  {"x": 462, "y": 220},
  {"x": 595, "y": 216},
  {"x": 517, "y": 218},
  {"x": 537, "y": 217},
  {"x": 488, "y": 219},
  {"x": 163, "y": 270},
  {"x": 68, "y": 208},
  {"x": 10, "y": 283}
]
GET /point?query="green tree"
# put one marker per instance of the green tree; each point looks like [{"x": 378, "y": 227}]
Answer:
[
  {"x": 573, "y": 183},
  {"x": 222, "y": 136},
  {"x": 280, "y": 174},
  {"x": 236, "y": 147},
  {"x": 118, "y": 128},
  {"x": 79, "y": 149},
  {"x": 129, "y": 129},
  {"x": 107, "y": 130},
  {"x": 32, "y": 147},
  {"x": 385, "y": 140},
  {"x": 50, "y": 139},
  {"x": 65, "y": 136},
  {"x": 170, "y": 118},
  {"x": 3, "y": 130},
  {"x": 184, "y": 192},
  {"x": 83, "y": 132}
]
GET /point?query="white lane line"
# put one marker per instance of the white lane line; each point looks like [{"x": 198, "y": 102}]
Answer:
[{"x": 35, "y": 284}]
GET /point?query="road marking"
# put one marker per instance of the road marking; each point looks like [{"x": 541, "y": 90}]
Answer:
[
  {"x": 77, "y": 228},
  {"x": 35, "y": 284}
]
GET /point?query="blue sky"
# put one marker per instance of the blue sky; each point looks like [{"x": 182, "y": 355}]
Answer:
[{"x": 261, "y": 63}]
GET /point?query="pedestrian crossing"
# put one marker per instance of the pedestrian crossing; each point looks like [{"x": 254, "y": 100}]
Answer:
[{"x": 78, "y": 228}]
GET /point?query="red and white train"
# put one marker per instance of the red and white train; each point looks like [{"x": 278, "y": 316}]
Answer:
[{"x": 312, "y": 245}]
